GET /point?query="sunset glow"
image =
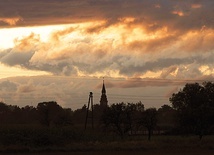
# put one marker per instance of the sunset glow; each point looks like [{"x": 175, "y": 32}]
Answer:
[{"x": 164, "y": 42}]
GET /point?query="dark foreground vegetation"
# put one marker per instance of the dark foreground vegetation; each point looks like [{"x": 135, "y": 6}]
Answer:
[{"x": 186, "y": 125}]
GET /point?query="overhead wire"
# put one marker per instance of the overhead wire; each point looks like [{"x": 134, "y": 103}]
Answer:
[{"x": 32, "y": 95}]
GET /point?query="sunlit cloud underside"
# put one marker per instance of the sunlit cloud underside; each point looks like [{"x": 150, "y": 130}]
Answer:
[
  {"x": 149, "y": 47},
  {"x": 120, "y": 50}
]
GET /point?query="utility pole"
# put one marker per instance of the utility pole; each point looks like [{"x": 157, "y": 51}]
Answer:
[{"x": 90, "y": 103}]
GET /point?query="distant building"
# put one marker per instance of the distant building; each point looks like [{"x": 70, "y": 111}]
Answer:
[{"x": 103, "y": 99}]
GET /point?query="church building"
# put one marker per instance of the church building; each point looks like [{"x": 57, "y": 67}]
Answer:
[{"x": 103, "y": 99}]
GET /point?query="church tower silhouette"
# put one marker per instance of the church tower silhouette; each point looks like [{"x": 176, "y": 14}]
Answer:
[{"x": 103, "y": 99}]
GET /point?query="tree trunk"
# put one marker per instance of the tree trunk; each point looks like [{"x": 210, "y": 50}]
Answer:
[
  {"x": 200, "y": 135},
  {"x": 149, "y": 134}
]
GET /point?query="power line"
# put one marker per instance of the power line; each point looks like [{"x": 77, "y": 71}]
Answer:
[{"x": 77, "y": 96}]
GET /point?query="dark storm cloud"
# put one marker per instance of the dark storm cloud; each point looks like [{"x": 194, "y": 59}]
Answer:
[
  {"x": 22, "y": 59},
  {"x": 162, "y": 63},
  {"x": 176, "y": 15},
  {"x": 44, "y": 12},
  {"x": 12, "y": 58},
  {"x": 170, "y": 34},
  {"x": 7, "y": 85}
]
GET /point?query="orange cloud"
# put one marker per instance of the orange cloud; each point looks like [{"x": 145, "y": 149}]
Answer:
[
  {"x": 196, "y": 6},
  {"x": 56, "y": 35},
  {"x": 27, "y": 43},
  {"x": 11, "y": 21},
  {"x": 119, "y": 50},
  {"x": 201, "y": 41},
  {"x": 143, "y": 12},
  {"x": 179, "y": 13}
]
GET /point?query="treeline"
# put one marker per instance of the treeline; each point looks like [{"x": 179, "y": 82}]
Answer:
[
  {"x": 119, "y": 118},
  {"x": 191, "y": 112},
  {"x": 46, "y": 114}
]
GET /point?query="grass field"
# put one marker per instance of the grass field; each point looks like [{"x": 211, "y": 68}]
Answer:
[
  {"x": 159, "y": 145},
  {"x": 49, "y": 141},
  {"x": 159, "y": 152}
]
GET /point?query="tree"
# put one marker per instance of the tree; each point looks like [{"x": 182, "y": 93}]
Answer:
[
  {"x": 166, "y": 119},
  {"x": 49, "y": 112},
  {"x": 29, "y": 115},
  {"x": 134, "y": 112},
  {"x": 194, "y": 105},
  {"x": 115, "y": 118},
  {"x": 4, "y": 113},
  {"x": 64, "y": 117},
  {"x": 79, "y": 116},
  {"x": 149, "y": 120},
  {"x": 97, "y": 114},
  {"x": 122, "y": 118}
]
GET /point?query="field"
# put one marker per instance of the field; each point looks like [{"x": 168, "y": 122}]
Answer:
[
  {"x": 67, "y": 140},
  {"x": 151, "y": 152}
]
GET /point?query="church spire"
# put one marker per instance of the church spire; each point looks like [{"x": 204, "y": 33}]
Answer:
[
  {"x": 103, "y": 99},
  {"x": 103, "y": 89}
]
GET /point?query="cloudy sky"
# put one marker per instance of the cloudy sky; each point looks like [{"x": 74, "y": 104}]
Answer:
[{"x": 61, "y": 49}]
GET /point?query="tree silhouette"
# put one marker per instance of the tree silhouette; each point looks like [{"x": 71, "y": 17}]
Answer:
[
  {"x": 4, "y": 111},
  {"x": 133, "y": 112},
  {"x": 78, "y": 117},
  {"x": 49, "y": 113},
  {"x": 116, "y": 119},
  {"x": 149, "y": 120},
  {"x": 122, "y": 118},
  {"x": 195, "y": 107},
  {"x": 166, "y": 119}
]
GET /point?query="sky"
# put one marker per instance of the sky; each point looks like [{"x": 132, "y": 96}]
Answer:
[{"x": 146, "y": 50}]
